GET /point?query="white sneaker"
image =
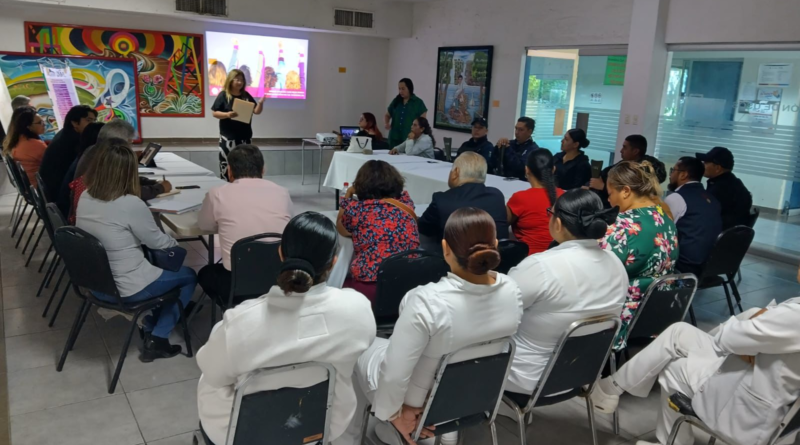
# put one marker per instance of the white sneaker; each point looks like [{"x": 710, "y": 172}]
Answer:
[{"x": 604, "y": 403}]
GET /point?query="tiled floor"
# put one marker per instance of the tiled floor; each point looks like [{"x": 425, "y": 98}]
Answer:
[{"x": 156, "y": 403}]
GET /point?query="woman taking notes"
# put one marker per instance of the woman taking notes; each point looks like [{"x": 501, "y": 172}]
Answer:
[
  {"x": 420, "y": 141},
  {"x": 233, "y": 132},
  {"x": 402, "y": 111}
]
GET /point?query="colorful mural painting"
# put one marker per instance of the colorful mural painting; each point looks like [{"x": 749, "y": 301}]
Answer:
[
  {"x": 107, "y": 85},
  {"x": 170, "y": 65}
]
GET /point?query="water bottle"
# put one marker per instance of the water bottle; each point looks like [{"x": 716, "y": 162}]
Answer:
[{"x": 344, "y": 189}]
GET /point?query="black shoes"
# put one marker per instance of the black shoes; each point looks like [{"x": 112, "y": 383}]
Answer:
[{"x": 156, "y": 348}]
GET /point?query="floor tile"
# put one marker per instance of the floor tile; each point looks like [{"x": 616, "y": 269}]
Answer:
[
  {"x": 25, "y": 296},
  {"x": 44, "y": 348},
  {"x": 28, "y": 320},
  {"x": 165, "y": 411},
  {"x": 137, "y": 375},
  {"x": 181, "y": 439}
]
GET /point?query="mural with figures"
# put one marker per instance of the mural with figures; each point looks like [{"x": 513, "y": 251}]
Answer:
[
  {"x": 464, "y": 76},
  {"x": 107, "y": 85},
  {"x": 170, "y": 65}
]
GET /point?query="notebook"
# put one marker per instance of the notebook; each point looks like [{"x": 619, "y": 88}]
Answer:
[
  {"x": 244, "y": 110},
  {"x": 174, "y": 206}
]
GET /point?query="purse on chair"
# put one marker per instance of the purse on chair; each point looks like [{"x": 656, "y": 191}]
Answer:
[{"x": 170, "y": 259}]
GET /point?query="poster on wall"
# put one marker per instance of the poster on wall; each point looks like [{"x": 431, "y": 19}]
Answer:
[
  {"x": 775, "y": 74},
  {"x": 106, "y": 84},
  {"x": 615, "y": 70},
  {"x": 464, "y": 77},
  {"x": 170, "y": 68},
  {"x": 273, "y": 67},
  {"x": 61, "y": 90}
]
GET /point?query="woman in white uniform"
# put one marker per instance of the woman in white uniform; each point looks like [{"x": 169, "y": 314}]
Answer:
[
  {"x": 471, "y": 304},
  {"x": 299, "y": 320},
  {"x": 567, "y": 283}
]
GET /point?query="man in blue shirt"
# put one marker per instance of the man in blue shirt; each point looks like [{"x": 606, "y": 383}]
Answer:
[
  {"x": 514, "y": 154},
  {"x": 479, "y": 143}
]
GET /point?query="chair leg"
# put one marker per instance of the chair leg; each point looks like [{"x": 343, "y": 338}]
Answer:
[
  {"x": 15, "y": 209},
  {"x": 35, "y": 245},
  {"x": 493, "y": 427},
  {"x": 185, "y": 326},
  {"x": 739, "y": 276},
  {"x": 53, "y": 294},
  {"x": 692, "y": 317},
  {"x": 123, "y": 354},
  {"x": 46, "y": 256},
  {"x": 73, "y": 333},
  {"x": 24, "y": 228},
  {"x": 728, "y": 297},
  {"x": 30, "y": 237},
  {"x": 712, "y": 440},
  {"x": 615, "y": 416},
  {"x": 19, "y": 220},
  {"x": 60, "y": 302},
  {"x": 590, "y": 410},
  {"x": 50, "y": 270},
  {"x": 676, "y": 427},
  {"x": 735, "y": 290}
]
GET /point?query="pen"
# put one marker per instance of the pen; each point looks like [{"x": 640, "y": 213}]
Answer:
[{"x": 164, "y": 178}]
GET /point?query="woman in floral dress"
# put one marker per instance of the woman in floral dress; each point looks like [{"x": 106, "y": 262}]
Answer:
[{"x": 644, "y": 236}]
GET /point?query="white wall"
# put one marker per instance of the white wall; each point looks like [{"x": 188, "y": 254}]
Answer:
[{"x": 334, "y": 98}]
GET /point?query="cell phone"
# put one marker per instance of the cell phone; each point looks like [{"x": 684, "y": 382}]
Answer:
[
  {"x": 597, "y": 168},
  {"x": 187, "y": 187}
]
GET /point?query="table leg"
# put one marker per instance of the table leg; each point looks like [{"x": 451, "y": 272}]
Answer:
[
  {"x": 210, "y": 250},
  {"x": 319, "y": 181},
  {"x": 303, "y": 162},
  {"x": 337, "y": 199}
]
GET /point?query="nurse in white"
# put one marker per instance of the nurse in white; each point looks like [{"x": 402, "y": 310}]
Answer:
[
  {"x": 567, "y": 283},
  {"x": 299, "y": 320},
  {"x": 470, "y": 305}
]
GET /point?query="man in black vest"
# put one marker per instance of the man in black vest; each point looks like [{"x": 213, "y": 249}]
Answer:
[
  {"x": 513, "y": 154},
  {"x": 696, "y": 212},
  {"x": 479, "y": 142},
  {"x": 634, "y": 149},
  {"x": 734, "y": 197}
]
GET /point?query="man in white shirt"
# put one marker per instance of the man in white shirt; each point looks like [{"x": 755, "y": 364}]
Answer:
[{"x": 248, "y": 205}]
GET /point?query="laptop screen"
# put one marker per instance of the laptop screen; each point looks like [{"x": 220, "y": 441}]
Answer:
[{"x": 348, "y": 132}]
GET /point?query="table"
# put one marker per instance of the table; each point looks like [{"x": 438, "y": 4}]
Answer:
[
  {"x": 321, "y": 146},
  {"x": 170, "y": 164}
]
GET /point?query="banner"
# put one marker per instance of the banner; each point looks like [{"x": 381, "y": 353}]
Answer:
[
  {"x": 615, "y": 70},
  {"x": 61, "y": 90}
]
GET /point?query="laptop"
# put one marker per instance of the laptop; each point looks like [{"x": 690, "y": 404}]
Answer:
[{"x": 347, "y": 133}]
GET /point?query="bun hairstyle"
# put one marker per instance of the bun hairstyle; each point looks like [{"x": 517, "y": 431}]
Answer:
[
  {"x": 581, "y": 212},
  {"x": 309, "y": 244},
  {"x": 540, "y": 163},
  {"x": 641, "y": 178},
  {"x": 579, "y": 136},
  {"x": 472, "y": 237}
]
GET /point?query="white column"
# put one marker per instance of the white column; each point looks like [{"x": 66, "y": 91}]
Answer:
[{"x": 645, "y": 72}]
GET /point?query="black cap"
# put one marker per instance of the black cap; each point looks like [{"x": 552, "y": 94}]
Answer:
[
  {"x": 718, "y": 155},
  {"x": 480, "y": 121}
]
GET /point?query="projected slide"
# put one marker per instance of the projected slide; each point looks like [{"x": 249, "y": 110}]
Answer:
[{"x": 274, "y": 67}]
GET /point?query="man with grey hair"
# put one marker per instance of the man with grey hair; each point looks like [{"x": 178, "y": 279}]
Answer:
[
  {"x": 467, "y": 189},
  {"x": 19, "y": 102}
]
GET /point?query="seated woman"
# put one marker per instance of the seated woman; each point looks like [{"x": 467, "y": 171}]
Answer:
[
  {"x": 642, "y": 238},
  {"x": 471, "y": 304},
  {"x": 301, "y": 319},
  {"x": 567, "y": 283},
  {"x": 23, "y": 143},
  {"x": 369, "y": 127},
  {"x": 527, "y": 210},
  {"x": 65, "y": 197},
  {"x": 573, "y": 169},
  {"x": 420, "y": 141},
  {"x": 111, "y": 210},
  {"x": 381, "y": 220}
]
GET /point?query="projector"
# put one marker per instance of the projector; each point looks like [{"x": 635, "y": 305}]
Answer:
[{"x": 328, "y": 138}]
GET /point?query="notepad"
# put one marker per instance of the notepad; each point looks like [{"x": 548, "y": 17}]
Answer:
[
  {"x": 169, "y": 193},
  {"x": 174, "y": 206},
  {"x": 244, "y": 110}
]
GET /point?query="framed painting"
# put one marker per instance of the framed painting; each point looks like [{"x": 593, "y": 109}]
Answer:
[
  {"x": 463, "y": 79},
  {"x": 106, "y": 84},
  {"x": 170, "y": 65}
]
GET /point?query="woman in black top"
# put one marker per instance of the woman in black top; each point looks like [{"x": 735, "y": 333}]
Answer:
[
  {"x": 231, "y": 132},
  {"x": 572, "y": 166}
]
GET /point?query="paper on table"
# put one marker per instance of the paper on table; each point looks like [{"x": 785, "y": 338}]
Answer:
[
  {"x": 244, "y": 110},
  {"x": 173, "y": 206},
  {"x": 169, "y": 193}
]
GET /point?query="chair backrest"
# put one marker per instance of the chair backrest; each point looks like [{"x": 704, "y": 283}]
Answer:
[
  {"x": 11, "y": 177},
  {"x": 86, "y": 261},
  {"x": 42, "y": 187},
  {"x": 579, "y": 357},
  {"x": 283, "y": 415},
  {"x": 751, "y": 221},
  {"x": 255, "y": 265},
  {"x": 402, "y": 272},
  {"x": 41, "y": 209},
  {"x": 438, "y": 154},
  {"x": 666, "y": 301},
  {"x": 511, "y": 254},
  {"x": 468, "y": 392},
  {"x": 23, "y": 184},
  {"x": 728, "y": 252},
  {"x": 790, "y": 423},
  {"x": 55, "y": 217}
]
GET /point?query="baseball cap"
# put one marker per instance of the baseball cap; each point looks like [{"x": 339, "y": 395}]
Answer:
[
  {"x": 718, "y": 155},
  {"x": 480, "y": 121}
]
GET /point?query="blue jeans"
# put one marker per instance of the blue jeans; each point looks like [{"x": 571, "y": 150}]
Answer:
[{"x": 166, "y": 316}]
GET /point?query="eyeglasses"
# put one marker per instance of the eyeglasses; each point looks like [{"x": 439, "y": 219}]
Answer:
[{"x": 673, "y": 169}]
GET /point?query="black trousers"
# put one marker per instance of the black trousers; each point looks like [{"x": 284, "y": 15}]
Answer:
[{"x": 216, "y": 282}]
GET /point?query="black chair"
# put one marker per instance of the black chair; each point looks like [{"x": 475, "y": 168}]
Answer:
[
  {"x": 683, "y": 405},
  {"x": 751, "y": 222},
  {"x": 18, "y": 201},
  {"x": 724, "y": 261},
  {"x": 41, "y": 214},
  {"x": 43, "y": 194},
  {"x": 87, "y": 264},
  {"x": 25, "y": 190},
  {"x": 438, "y": 154},
  {"x": 397, "y": 275},
  {"x": 511, "y": 254},
  {"x": 666, "y": 301},
  {"x": 56, "y": 221},
  {"x": 261, "y": 417},
  {"x": 577, "y": 362}
]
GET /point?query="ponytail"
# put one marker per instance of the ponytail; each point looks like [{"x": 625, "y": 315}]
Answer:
[
  {"x": 642, "y": 179},
  {"x": 540, "y": 164}
]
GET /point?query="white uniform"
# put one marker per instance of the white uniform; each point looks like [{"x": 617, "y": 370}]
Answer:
[
  {"x": 324, "y": 325},
  {"x": 570, "y": 282},
  {"x": 741, "y": 402}
]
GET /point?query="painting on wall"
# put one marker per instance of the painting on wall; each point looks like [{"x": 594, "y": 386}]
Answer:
[
  {"x": 170, "y": 65},
  {"x": 463, "y": 76},
  {"x": 106, "y": 84}
]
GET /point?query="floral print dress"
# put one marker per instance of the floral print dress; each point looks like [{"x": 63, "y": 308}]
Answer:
[{"x": 646, "y": 241}]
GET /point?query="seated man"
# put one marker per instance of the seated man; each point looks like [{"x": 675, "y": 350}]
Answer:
[
  {"x": 513, "y": 155},
  {"x": 696, "y": 213},
  {"x": 248, "y": 205},
  {"x": 734, "y": 197},
  {"x": 741, "y": 380},
  {"x": 467, "y": 189},
  {"x": 479, "y": 142},
  {"x": 634, "y": 149}
]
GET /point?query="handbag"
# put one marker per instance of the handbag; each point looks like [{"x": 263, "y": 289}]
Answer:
[
  {"x": 170, "y": 259},
  {"x": 360, "y": 144}
]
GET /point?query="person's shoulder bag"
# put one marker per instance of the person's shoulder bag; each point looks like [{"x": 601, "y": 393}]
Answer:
[{"x": 402, "y": 207}]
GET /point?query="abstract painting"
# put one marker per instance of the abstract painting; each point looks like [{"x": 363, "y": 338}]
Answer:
[
  {"x": 170, "y": 65},
  {"x": 463, "y": 79},
  {"x": 107, "y": 85}
]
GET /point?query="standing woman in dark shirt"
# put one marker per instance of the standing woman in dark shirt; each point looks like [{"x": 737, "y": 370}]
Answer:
[
  {"x": 402, "y": 112},
  {"x": 231, "y": 132},
  {"x": 573, "y": 169}
]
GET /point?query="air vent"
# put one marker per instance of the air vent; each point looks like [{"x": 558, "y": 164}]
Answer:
[
  {"x": 352, "y": 19},
  {"x": 210, "y": 7}
]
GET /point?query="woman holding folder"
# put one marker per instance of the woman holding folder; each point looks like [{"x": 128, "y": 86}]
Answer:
[{"x": 234, "y": 108}]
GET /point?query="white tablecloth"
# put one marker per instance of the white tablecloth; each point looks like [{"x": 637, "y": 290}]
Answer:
[{"x": 170, "y": 164}]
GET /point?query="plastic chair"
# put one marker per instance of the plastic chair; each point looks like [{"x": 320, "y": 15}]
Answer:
[
  {"x": 260, "y": 417},
  {"x": 41, "y": 191},
  {"x": 12, "y": 179},
  {"x": 577, "y": 362},
  {"x": 87, "y": 263},
  {"x": 56, "y": 221},
  {"x": 397, "y": 275},
  {"x": 511, "y": 254},
  {"x": 24, "y": 188},
  {"x": 725, "y": 260}
]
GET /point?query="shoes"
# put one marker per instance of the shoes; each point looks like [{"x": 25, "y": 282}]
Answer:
[
  {"x": 156, "y": 348},
  {"x": 602, "y": 401}
]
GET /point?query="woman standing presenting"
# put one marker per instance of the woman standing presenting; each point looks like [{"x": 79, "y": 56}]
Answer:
[
  {"x": 402, "y": 111},
  {"x": 232, "y": 132}
]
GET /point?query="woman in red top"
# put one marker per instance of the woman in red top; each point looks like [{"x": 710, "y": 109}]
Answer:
[
  {"x": 23, "y": 142},
  {"x": 380, "y": 220},
  {"x": 527, "y": 210}
]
